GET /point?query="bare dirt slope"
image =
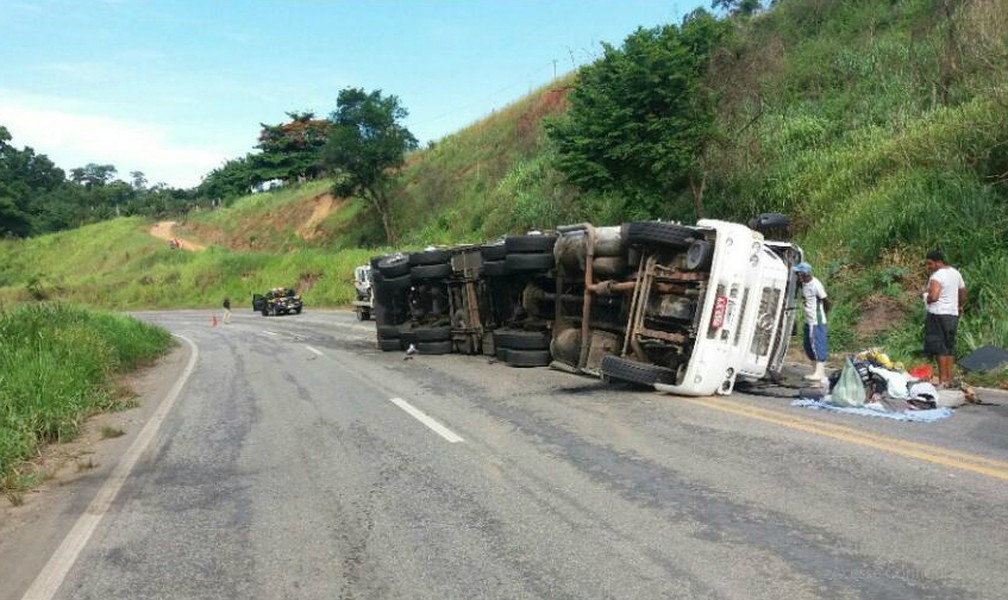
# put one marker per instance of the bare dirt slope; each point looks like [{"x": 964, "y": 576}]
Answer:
[{"x": 165, "y": 231}]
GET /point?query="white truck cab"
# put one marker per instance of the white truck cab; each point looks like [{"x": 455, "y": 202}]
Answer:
[
  {"x": 743, "y": 317},
  {"x": 713, "y": 302}
]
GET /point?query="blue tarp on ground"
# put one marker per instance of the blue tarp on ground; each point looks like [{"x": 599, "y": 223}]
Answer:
[{"x": 917, "y": 416}]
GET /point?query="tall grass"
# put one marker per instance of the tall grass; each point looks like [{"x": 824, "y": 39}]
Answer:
[{"x": 56, "y": 365}]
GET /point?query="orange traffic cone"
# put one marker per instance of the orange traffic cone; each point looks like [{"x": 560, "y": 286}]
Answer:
[{"x": 213, "y": 321}]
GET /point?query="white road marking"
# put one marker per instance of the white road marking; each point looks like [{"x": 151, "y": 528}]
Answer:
[
  {"x": 268, "y": 332},
  {"x": 419, "y": 415},
  {"x": 51, "y": 577},
  {"x": 310, "y": 349}
]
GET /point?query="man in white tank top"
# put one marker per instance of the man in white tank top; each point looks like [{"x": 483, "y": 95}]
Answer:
[{"x": 945, "y": 296}]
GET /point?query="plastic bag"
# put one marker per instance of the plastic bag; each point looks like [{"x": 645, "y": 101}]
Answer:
[{"x": 849, "y": 389}]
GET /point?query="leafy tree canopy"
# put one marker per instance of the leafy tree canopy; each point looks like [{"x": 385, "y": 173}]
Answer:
[
  {"x": 641, "y": 118},
  {"x": 366, "y": 141}
]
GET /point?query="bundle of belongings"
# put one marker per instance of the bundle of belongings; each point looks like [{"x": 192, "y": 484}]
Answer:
[{"x": 872, "y": 384}]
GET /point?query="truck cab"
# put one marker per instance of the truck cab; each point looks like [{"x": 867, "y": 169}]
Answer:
[{"x": 712, "y": 302}]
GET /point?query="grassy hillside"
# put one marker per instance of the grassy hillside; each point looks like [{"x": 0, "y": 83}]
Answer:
[
  {"x": 117, "y": 264},
  {"x": 879, "y": 126}
]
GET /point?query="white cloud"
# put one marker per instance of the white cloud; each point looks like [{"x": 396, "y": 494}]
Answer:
[{"x": 72, "y": 138}]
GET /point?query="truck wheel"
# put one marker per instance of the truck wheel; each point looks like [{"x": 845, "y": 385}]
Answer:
[
  {"x": 526, "y": 244},
  {"x": 521, "y": 263},
  {"x": 265, "y": 312},
  {"x": 434, "y": 347},
  {"x": 394, "y": 266},
  {"x": 388, "y": 332},
  {"x": 516, "y": 339},
  {"x": 297, "y": 311},
  {"x": 661, "y": 234},
  {"x": 624, "y": 369},
  {"x": 394, "y": 285},
  {"x": 494, "y": 268},
  {"x": 389, "y": 345},
  {"x": 699, "y": 255},
  {"x": 365, "y": 315},
  {"x": 527, "y": 358},
  {"x": 493, "y": 251},
  {"x": 424, "y": 272},
  {"x": 432, "y": 334},
  {"x": 430, "y": 257}
]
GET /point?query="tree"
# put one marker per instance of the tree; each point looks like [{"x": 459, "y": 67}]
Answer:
[
  {"x": 738, "y": 7},
  {"x": 234, "y": 178},
  {"x": 641, "y": 119},
  {"x": 139, "y": 180},
  {"x": 367, "y": 140},
  {"x": 93, "y": 175},
  {"x": 292, "y": 150}
]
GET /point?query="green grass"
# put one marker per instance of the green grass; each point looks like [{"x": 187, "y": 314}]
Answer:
[
  {"x": 56, "y": 368},
  {"x": 116, "y": 264}
]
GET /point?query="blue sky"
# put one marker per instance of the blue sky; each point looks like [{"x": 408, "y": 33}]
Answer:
[{"x": 175, "y": 88}]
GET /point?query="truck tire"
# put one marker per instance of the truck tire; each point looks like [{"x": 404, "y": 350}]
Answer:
[
  {"x": 388, "y": 332},
  {"x": 528, "y": 358},
  {"x": 375, "y": 260},
  {"x": 395, "y": 285},
  {"x": 432, "y": 334},
  {"x": 389, "y": 345},
  {"x": 517, "y": 339},
  {"x": 493, "y": 251},
  {"x": 434, "y": 347},
  {"x": 624, "y": 369},
  {"x": 529, "y": 244},
  {"x": 661, "y": 234},
  {"x": 265, "y": 312},
  {"x": 494, "y": 268},
  {"x": 502, "y": 354},
  {"x": 430, "y": 257},
  {"x": 394, "y": 266},
  {"x": 523, "y": 263},
  {"x": 427, "y": 272},
  {"x": 699, "y": 256}
]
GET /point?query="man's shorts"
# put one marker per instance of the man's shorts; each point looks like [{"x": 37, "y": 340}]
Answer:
[
  {"x": 816, "y": 342},
  {"x": 940, "y": 334}
]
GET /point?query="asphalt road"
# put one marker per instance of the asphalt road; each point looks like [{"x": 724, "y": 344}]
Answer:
[{"x": 292, "y": 466}]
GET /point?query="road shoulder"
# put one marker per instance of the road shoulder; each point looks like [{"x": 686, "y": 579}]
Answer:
[{"x": 31, "y": 532}]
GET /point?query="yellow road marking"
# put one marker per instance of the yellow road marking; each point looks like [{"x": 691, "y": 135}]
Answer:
[{"x": 934, "y": 454}]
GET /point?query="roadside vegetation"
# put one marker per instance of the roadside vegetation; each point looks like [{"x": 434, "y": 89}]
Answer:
[
  {"x": 879, "y": 127},
  {"x": 118, "y": 265},
  {"x": 57, "y": 367}
]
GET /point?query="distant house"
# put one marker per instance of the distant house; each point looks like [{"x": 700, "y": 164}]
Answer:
[{"x": 267, "y": 185}]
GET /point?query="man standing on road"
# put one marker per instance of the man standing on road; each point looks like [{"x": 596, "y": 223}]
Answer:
[
  {"x": 945, "y": 296},
  {"x": 816, "y": 305},
  {"x": 227, "y": 309}
]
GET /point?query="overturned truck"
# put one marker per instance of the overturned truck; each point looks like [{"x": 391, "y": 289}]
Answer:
[{"x": 685, "y": 309}]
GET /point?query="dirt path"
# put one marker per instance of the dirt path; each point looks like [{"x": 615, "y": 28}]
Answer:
[
  {"x": 164, "y": 231},
  {"x": 325, "y": 205}
]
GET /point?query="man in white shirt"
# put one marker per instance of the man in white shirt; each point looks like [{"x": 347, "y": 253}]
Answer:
[
  {"x": 816, "y": 305},
  {"x": 945, "y": 296}
]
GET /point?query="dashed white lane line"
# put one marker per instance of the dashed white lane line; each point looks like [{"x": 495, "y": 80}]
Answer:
[
  {"x": 433, "y": 425},
  {"x": 313, "y": 350},
  {"x": 51, "y": 577},
  {"x": 268, "y": 332}
]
